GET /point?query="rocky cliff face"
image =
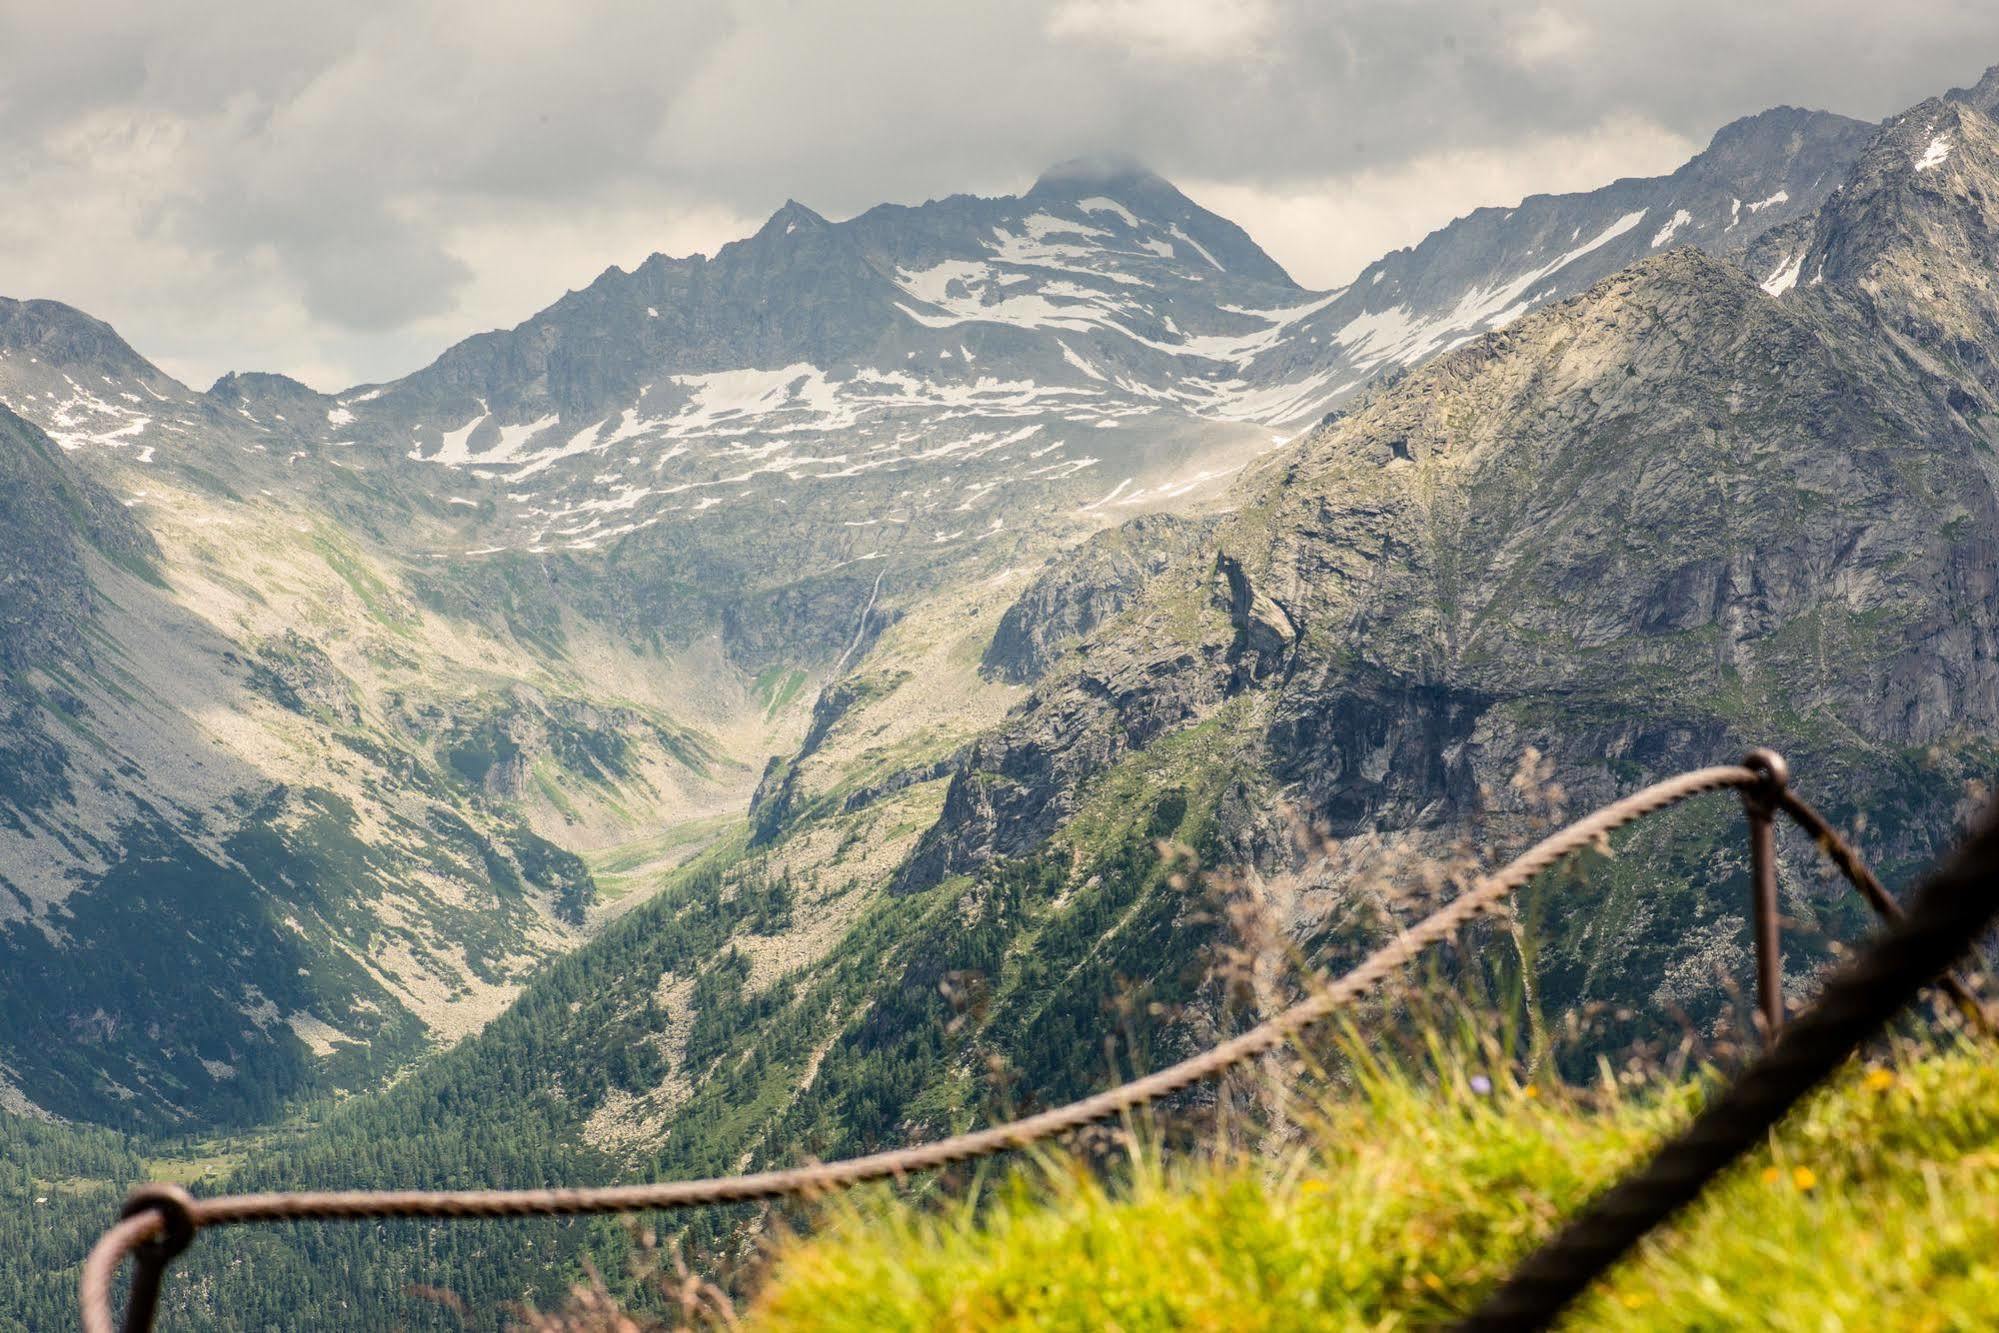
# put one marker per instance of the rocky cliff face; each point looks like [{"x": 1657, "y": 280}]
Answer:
[
  {"x": 1084, "y": 588},
  {"x": 1909, "y": 241}
]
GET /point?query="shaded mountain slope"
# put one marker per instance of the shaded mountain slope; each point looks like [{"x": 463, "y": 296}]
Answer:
[
  {"x": 52, "y": 515},
  {"x": 268, "y": 821}
]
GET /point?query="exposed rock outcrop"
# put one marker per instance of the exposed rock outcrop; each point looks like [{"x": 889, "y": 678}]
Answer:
[{"x": 1083, "y": 588}]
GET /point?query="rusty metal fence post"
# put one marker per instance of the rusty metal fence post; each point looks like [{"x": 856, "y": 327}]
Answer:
[
  {"x": 1760, "y": 803},
  {"x": 173, "y": 1209},
  {"x": 1955, "y": 905}
]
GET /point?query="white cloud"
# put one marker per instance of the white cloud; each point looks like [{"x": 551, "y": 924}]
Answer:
[
  {"x": 1546, "y": 35},
  {"x": 1178, "y": 31},
  {"x": 1326, "y": 229}
]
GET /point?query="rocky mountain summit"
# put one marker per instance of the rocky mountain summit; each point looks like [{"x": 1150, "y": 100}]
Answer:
[
  {"x": 944, "y": 368},
  {"x": 77, "y": 379},
  {"x": 1758, "y": 175}
]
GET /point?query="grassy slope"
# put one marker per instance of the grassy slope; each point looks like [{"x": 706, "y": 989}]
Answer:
[{"x": 1875, "y": 1206}]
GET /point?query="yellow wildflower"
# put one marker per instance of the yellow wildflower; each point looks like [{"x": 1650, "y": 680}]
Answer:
[
  {"x": 1879, "y": 1080},
  {"x": 1771, "y": 1175},
  {"x": 1804, "y": 1177}
]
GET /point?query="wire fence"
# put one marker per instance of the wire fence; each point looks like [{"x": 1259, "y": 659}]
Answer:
[{"x": 161, "y": 1221}]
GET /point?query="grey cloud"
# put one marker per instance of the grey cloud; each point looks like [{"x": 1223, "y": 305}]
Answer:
[
  {"x": 889, "y": 99},
  {"x": 341, "y": 149},
  {"x": 378, "y": 282},
  {"x": 306, "y": 169}
]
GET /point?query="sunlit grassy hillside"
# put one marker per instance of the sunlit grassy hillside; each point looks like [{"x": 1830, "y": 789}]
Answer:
[{"x": 1877, "y": 1206}]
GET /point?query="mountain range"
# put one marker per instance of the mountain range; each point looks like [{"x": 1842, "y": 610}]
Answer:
[
  {"x": 710, "y": 480},
  {"x": 718, "y": 718}
]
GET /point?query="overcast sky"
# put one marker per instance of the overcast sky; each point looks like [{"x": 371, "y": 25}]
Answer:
[{"x": 339, "y": 191}]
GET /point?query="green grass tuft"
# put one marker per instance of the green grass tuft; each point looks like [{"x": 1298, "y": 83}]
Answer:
[{"x": 1875, "y": 1206}]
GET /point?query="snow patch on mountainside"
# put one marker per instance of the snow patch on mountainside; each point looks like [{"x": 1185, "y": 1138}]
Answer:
[
  {"x": 455, "y": 448},
  {"x": 1679, "y": 219},
  {"x": 1398, "y": 336},
  {"x": 1099, "y": 204},
  {"x": 1786, "y": 276}
]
